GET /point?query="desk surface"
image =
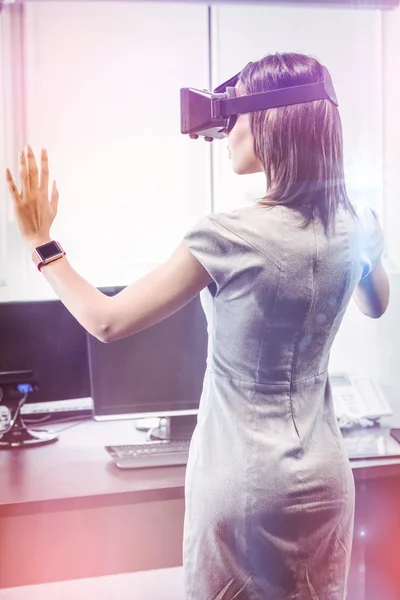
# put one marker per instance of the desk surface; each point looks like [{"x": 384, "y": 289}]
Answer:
[
  {"x": 77, "y": 468},
  {"x": 77, "y": 472}
]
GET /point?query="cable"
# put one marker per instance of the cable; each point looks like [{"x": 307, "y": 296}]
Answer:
[{"x": 47, "y": 420}]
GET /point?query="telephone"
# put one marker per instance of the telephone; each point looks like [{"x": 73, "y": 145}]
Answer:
[{"x": 358, "y": 397}]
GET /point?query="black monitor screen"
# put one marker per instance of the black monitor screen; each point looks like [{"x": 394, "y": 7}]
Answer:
[
  {"x": 158, "y": 370},
  {"x": 42, "y": 336}
]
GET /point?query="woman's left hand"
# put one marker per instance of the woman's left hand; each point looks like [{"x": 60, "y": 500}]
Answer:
[{"x": 33, "y": 210}]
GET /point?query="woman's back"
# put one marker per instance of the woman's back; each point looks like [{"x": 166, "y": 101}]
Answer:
[{"x": 281, "y": 290}]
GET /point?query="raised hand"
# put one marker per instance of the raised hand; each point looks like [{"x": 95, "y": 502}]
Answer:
[{"x": 34, "y": 211}]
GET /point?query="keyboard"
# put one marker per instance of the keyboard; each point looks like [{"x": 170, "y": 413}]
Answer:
[
  {"x": 150, "y": 454},
  {"x": 78, "y": 407}
]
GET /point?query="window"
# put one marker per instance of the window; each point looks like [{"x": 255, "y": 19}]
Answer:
[{"x": 101, "y": 93}]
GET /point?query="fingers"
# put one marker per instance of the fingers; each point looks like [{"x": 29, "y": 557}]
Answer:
[
  {"x": 29, "y": 176},
  {"x": 32, "y": 171},
  {"x": 44, "y": 172},
  {"x": 24, "y": 176},
  {"x": 54, "y": 198},
  {"x": 12, "y": 187}
]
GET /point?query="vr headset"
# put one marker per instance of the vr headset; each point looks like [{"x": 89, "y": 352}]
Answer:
[{"x": 211, "y": 115}]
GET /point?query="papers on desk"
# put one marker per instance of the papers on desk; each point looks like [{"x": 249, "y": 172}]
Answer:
[{"x": 371, "y": 444}]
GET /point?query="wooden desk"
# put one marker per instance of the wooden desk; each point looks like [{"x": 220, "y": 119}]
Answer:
[{"x": 67, "y": 512}]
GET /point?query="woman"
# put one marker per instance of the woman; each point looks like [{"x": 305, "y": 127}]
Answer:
[{"x": 269, "y": 489}]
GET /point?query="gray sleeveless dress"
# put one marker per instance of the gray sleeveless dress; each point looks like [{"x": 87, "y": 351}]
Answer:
[{"x": 269, "y": 489}]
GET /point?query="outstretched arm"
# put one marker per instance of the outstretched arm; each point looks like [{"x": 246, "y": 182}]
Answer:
[
  {"x": 142, "y": 304},
  {"x": 145, "y": 302}
]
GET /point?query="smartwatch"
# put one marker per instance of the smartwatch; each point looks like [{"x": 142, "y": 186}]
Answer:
[{"x": 47, "y": 253}]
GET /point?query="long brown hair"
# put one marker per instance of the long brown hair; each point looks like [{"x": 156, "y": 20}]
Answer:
[{"x": 300, "y": 146}]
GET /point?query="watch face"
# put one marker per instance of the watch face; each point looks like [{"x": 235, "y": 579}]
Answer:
[{"x": 48, "y": 250}]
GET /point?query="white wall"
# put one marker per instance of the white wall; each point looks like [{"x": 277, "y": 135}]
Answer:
[{"x": 131, "y": 183}]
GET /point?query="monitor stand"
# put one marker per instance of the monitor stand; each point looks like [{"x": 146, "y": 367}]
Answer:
[
  {"x": 177, "y": 427},
  {"x": 16, "y": 434},
  {"x": 146, "y": 423}
]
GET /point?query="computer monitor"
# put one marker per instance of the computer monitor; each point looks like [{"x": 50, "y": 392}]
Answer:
[
  {"x": 157, "y": 372},
  {"x": 44, "y": 338}
]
